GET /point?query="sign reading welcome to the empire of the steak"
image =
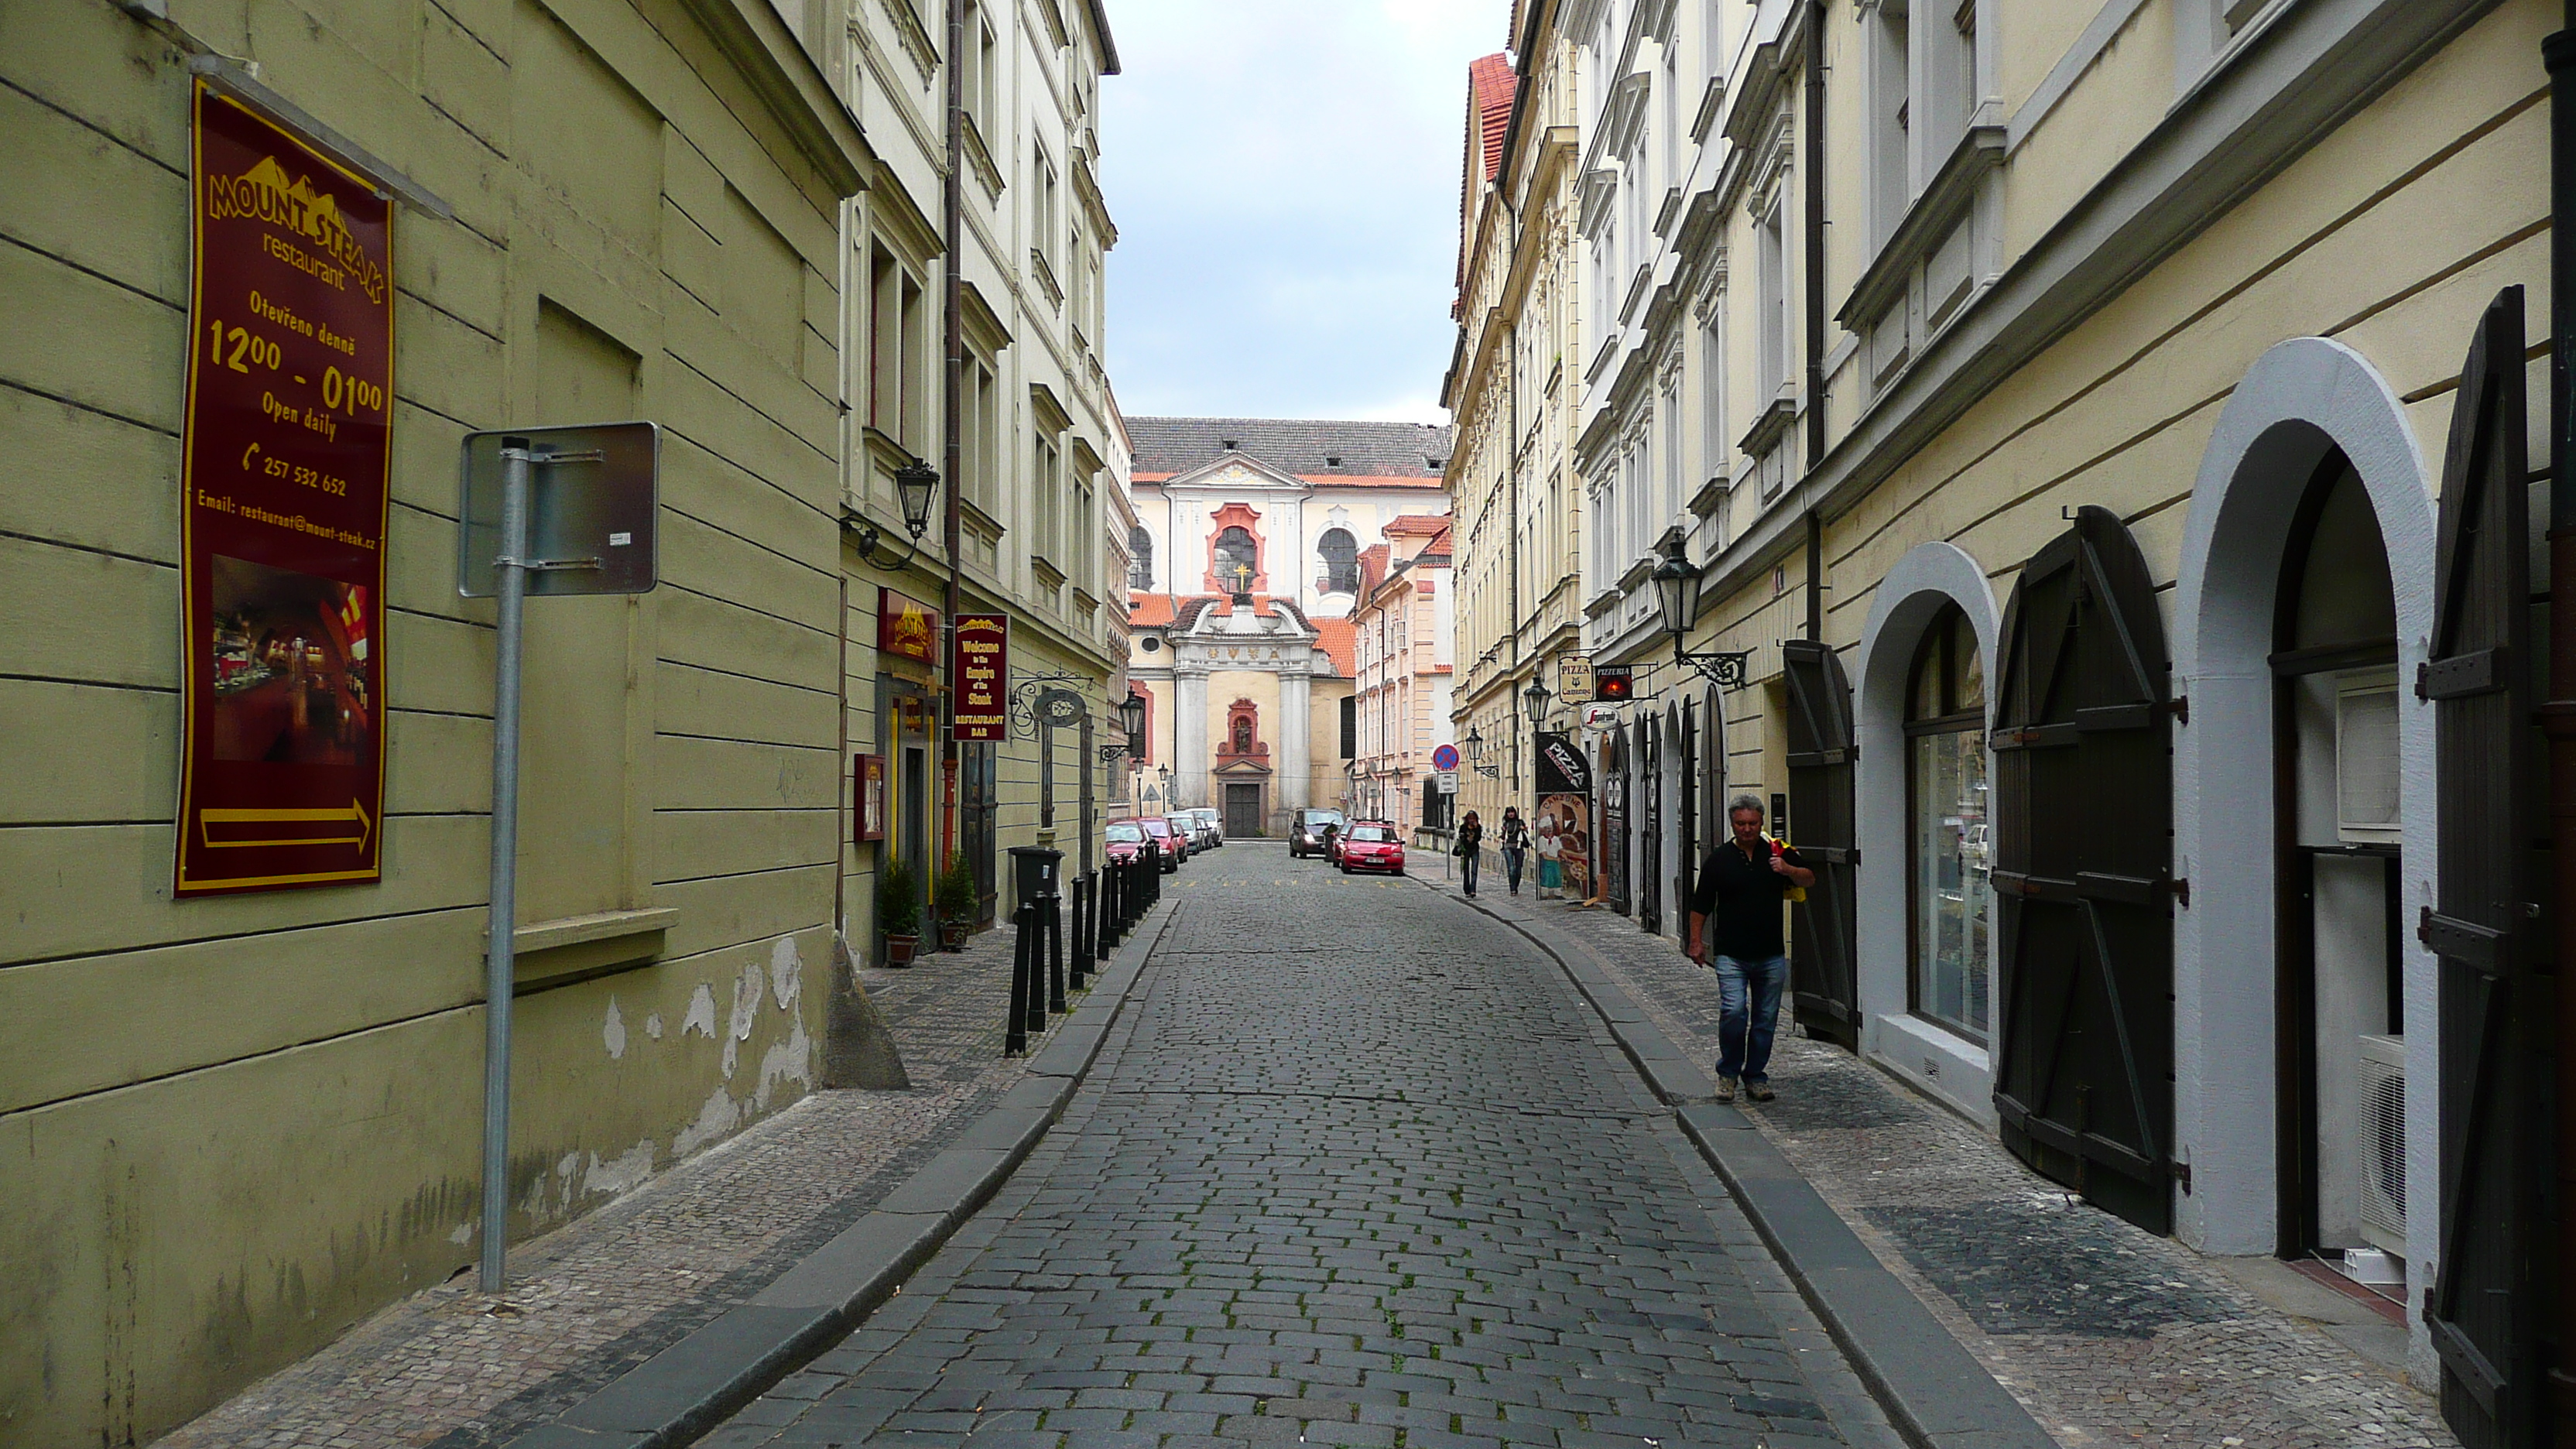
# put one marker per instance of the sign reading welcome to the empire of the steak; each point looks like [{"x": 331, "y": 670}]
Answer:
[
  {"x": 290, "y": 392},
  {"x": 982, "y": 674}
]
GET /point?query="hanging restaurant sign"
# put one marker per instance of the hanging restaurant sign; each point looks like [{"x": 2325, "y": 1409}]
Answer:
[
  {"x": 980, "y": 673},
  {"x": 290, "y": 382},
  {"x": 906, "y": 627}
]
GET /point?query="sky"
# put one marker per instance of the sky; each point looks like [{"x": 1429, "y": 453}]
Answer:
[{"x": 1284, "y": 177}]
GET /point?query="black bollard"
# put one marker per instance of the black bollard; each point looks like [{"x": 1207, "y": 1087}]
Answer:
[
  {"x": 1105, "y": 923},
  {"x": 1053, "y": 909},
  {"x": 1086, "y": 911},
  {"x": 1015, "y": 1038}
]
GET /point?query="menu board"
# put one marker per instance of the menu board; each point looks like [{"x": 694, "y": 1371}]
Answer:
[
  {"x": 980, "y": 675},
  {"x": 290, "y": 388}
]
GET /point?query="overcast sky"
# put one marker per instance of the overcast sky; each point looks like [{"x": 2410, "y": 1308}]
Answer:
[{"x": 1284, "y": 175}]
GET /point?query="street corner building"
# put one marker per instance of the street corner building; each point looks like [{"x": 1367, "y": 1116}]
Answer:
[
  {"x": 265, "y": 269},
  {"x": 2080, "y": 468},
  {"x": 1256, "y": 550}
]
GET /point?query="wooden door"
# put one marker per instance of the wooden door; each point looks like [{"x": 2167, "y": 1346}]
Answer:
[
  {"x": 1242, "y": 811},
  {"x": 1650, "y": 831},
  {"x": 1686, "y": 866},
  {"x": 1611, "y": 853},
  {"x": 2083, "y": 820},
  {"x": 2488, "y": 1301},
  {"x": 1824, "y": 980}
]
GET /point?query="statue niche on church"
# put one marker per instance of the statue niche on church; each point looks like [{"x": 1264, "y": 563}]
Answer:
[{"x": 1242, "y": 733}]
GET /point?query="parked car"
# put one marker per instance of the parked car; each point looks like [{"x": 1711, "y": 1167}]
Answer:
[
  {"x": 1159, "y": 830},
  {"x": 1373, "y": 845},
  {"x": 1184, "y": 833},
  {"x": 1211, "y": 827},
  {"x": 1306, "y": 837},
  {"x": 1126, "y": 840}
]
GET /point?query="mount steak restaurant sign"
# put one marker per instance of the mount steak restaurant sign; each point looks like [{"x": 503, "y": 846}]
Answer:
[{"x": 290, "y": 386}]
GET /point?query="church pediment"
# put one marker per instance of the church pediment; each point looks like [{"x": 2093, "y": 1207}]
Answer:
[{"x": 1237, "y": 473}]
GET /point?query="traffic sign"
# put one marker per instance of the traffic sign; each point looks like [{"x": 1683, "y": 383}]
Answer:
[
  {"x": 1445, "y": 759},
  {"x": 1448, "y": 782}
]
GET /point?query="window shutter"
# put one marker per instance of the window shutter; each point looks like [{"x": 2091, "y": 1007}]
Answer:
[{"x": 1823, "y": 974}]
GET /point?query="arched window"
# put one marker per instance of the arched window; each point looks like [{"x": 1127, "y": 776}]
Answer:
[
  {"x": 1140, "y": 546},
  {"x": 1951, "y": 899},
  {"x": 1341, "y": 555},
  {"x": 1236, "y": 551}
]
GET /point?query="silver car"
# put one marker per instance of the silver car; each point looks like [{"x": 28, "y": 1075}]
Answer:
[{"x": 1208, "y": 831}]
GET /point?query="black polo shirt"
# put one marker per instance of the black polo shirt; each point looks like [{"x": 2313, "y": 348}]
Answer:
[{"x": 1741, "y": 898}]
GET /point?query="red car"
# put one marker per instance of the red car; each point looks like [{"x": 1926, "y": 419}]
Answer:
[
  {"x": 1126, "y": 840},
  {"x": 1159, "y": 830},
  {"x": 1373, "y": 845}
]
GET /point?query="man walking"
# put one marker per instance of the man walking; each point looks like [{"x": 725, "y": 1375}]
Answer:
[{"x": 1741, "y": 886}]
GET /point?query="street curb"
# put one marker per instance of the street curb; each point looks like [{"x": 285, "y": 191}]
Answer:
[
  {"x": 1934, "y": 1391},
  {"x": 690, "y": 1387}
]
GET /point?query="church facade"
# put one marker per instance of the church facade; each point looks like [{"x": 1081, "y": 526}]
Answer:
[{"x": 1246, "y": 570}]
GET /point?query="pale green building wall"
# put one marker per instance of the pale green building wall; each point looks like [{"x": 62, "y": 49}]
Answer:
[{"x": 231, "y": 1127}]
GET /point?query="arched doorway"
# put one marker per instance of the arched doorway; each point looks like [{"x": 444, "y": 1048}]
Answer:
[{"x": 2339, "y": 1073}]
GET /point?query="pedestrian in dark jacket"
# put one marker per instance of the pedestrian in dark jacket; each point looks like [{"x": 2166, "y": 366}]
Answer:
[
  {"x": 1736, "y": 913},
  {"x": 1516, "y": 844},
  {"x": 1471, "y": 843}
]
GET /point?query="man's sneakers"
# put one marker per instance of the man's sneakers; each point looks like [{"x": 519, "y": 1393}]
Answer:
[
  {"x": 1759, "y": 1091},
  {"x": 1726, "y": 1089}
]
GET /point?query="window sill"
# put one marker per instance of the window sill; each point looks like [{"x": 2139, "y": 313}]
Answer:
[
  {"x": 547, "y": 954},
  {"x": 1926, "y": 224}
]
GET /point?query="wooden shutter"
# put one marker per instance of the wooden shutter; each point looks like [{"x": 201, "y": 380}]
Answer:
[
  {"x": 2487, "y": 1301},
  {"x": 1650, "y": 849},
  {"x": 2083, "y": 804},
  {"x": 1823, "y": 976}
]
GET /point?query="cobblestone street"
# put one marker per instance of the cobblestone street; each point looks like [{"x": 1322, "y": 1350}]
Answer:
[
  {"x": 451, "y": 1367},
  {"x": 1360, "y": 1168},
  {"x": 2107, "y": 1334}
]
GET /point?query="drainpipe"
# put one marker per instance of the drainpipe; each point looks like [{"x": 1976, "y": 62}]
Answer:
[
  {"x": 2558, "y": 716},
  {"x": 952, "y": 397},
  {"x": 1815, "y": 207}
]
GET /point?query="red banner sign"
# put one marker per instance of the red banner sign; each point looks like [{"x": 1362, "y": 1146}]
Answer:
[
  {"x": 906, "y": 627},
  {"x": 290, "y": 388},
  {"x": 980, "y": 674}
]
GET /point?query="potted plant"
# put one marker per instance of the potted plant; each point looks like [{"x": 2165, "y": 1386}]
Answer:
[
  {"x": 956, "y": 897},
  {"x": 899, "y": 910}
]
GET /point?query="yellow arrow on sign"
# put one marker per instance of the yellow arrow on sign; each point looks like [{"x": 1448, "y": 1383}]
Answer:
[{"x": 352, "y": 816}]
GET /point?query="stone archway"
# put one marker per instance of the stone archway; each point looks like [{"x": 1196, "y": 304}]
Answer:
[
  {"x": 1927, "y": 578},
  {"x": 2301, "y": 401}
]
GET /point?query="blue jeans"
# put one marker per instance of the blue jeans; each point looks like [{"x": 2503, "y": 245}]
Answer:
[
  {"x": 1744, "y": 1038},
  {"x": 1467, "y": 864},
  {"x": 1512, "y": 855}
]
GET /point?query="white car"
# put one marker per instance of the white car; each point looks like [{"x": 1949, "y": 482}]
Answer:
[{"x": 1209, "y": 831}]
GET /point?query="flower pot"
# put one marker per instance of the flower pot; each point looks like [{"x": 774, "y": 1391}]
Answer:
[
  {"x": 899, "y": 949},
  {"x": 952, "y": 934}
]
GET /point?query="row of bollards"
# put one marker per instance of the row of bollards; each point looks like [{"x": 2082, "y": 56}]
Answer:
[{"x": 1107, "y": 903}]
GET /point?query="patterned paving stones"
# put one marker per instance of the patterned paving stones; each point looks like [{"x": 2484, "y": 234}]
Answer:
[
  {"x": 1358, "y": 1168},
  {"x": 2108, "y": 1335},
  {"x": 605, "y": 1293}
]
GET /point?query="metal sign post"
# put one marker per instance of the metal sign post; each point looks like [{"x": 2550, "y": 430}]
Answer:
[{"x": 610, "y": 510}]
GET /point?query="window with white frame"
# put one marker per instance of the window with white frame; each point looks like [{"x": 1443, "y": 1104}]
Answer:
[
  {"x": 1712, "y": 394},
  {"x": 1046, "y": 511},
  {"x": 1891, "y": 94},
  {"x": 1771, "y": 292}
]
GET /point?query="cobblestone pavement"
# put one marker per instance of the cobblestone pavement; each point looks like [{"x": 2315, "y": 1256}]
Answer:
[
  {"x": 2108, "y": 1335},
  {"x": 1357, "y": 1168},
  {"x": 450, "y": 1367}
]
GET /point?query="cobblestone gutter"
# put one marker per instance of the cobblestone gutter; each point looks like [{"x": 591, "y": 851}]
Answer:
[
  {"x": 452, "y": 1368},
  {"x": 2108, "y": 1335}
]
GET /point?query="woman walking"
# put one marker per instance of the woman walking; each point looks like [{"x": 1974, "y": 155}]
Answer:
[
  {"x": 1471, "y": 849},
  {"x": 1516, "y": 839}
]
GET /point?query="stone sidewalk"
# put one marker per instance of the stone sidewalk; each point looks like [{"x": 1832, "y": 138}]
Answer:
[
  {"x": 453, "y": 1368},
  {"x": 2108, "y": 1335}
]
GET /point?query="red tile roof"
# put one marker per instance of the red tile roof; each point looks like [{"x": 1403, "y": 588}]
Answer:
[
  {"x": 1409, "y": 524},
  {"x": 1336, "y": 638},
  {"x": 1491, "y": 85}
]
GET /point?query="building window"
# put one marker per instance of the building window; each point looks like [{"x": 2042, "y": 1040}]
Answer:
[
  {"x": 1140, "y": 573},
  {"x": 1237, "y": 558},
  {"x": 1047, "y": 521},
  {"x": 1772, "y": 284},
  {"x": 1341, "y": 555},
  {"x": 898, "y": 349},
  {"x": 1952, "y": 901}
]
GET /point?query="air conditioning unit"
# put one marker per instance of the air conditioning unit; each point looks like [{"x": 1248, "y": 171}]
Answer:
[{"x": 2382, "y": 1124}]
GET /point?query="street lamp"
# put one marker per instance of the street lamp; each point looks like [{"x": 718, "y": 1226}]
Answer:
[
  {"x": 1537, "y": 697},
  {"x": 1677, "y": 594},
  {"x": 1131, "y": 718},
  {"x": 914, "y": 485}
]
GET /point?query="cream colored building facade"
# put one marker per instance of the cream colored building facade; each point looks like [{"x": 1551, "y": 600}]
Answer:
[
  {"x": 1513, "y": 389},
  {"x": 2209, "y": 268},
  {"x": 1401, "y": 638},
  {"x": 235, "y": 1125},
  {"x": 1035, "y": 425}
]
